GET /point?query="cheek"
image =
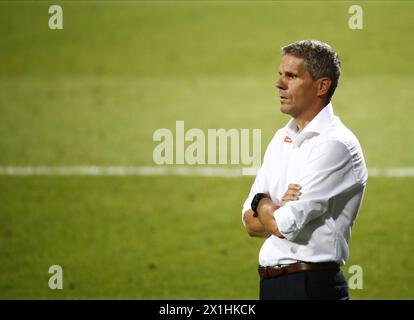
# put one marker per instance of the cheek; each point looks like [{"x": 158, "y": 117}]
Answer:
[
  {"x": 297, "y": 93},
  {"x": 302, "y": 92}
]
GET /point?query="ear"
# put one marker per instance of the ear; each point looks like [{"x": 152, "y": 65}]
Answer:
[{"x": 323, "y": 86}]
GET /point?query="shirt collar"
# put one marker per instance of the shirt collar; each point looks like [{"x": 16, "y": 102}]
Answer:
[
  {"x": 315, "y": 127},
  {"x": 321, "y": 121}
]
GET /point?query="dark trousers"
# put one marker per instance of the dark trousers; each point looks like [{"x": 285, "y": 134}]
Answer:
[{"x": 308, "y": 285}]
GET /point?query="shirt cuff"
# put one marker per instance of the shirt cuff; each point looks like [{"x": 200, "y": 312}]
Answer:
[
  {"x": 246, "y": 207},
  {"x": 286, "y": 222},
  {"x": 243, "y": 218}
]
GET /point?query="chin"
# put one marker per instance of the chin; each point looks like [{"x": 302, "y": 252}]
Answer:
[
  {"x": 289, "y": 110},
  {"x": 284, "y": 108}
]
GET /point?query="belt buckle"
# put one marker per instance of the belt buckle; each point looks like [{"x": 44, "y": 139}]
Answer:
[{"x": 282, "y": 268}]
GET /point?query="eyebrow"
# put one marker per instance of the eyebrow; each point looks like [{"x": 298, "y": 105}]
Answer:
[{"x": 289, "y": 73}]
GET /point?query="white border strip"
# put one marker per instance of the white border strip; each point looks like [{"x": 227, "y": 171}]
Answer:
[
  {"x": 166, "y": 171},
  {"x": 391, "y": 172},
  {"x": 121, "y": 171}
]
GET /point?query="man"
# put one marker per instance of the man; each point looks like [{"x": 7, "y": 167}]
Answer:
[{"x": 309, "y": 189}]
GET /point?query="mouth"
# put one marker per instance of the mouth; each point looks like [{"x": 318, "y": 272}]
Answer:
[{"x": 283, "y": 98}]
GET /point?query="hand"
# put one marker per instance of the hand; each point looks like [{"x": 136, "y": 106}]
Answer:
[
  {"x": 265, "y": 211},
  {"x": 292, "y": 194}
]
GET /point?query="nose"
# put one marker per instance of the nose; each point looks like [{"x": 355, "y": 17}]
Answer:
[{"x": 280, "y": 84}]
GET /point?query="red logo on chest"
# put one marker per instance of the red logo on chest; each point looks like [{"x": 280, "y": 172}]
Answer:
[{"x": 287, "y": 139}]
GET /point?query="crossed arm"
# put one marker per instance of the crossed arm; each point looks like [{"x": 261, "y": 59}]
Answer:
[{"x": 265, "y": 224}]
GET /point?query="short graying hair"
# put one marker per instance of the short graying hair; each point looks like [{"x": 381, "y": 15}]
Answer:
[{"x": 319, "y": 58}]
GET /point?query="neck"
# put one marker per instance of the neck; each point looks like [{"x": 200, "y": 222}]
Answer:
[
  {"x": 303, "y": 120},
  {"x": 301, "y": 124}
]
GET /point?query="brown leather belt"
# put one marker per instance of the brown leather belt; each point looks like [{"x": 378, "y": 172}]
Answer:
[{"x": 273, "y": 272}]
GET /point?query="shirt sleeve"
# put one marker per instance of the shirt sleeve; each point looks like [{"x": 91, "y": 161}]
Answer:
[
  {"x": 327, "y": 173},
  {"x": 260, "y": 183}
]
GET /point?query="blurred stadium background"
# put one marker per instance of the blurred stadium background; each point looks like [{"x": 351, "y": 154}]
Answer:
[{"x": 95, "y": 92}]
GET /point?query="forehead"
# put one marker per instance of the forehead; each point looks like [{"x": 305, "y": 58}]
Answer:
[{"x": 292, "y": 64}]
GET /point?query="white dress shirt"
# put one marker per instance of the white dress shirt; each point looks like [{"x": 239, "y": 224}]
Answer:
[{"x": 326, "y": 159}]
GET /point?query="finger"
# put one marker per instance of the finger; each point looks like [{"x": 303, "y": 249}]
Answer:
[
  {"x": 293, "y": 193},
  {"x": 290, "y": 198},
  {"x": 294, "y": 186},
  {"x": 290, "y": 195}
]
